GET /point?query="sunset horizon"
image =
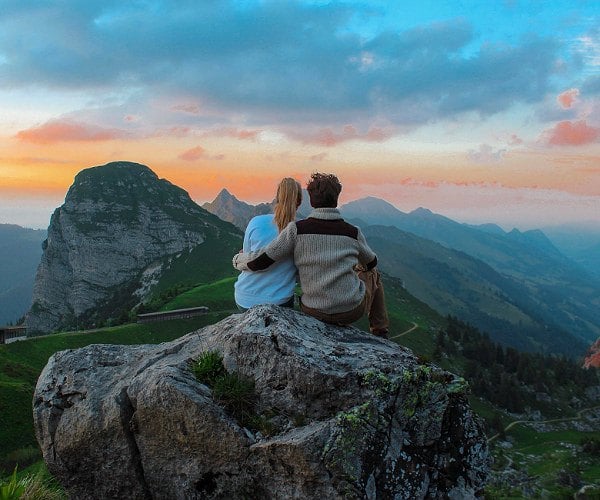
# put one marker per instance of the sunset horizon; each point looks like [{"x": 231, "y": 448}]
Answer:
[{"x": 481, "y": 113}]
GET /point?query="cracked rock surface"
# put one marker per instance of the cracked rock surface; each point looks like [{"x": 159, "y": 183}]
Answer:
[{"x": 350, "y": 416}]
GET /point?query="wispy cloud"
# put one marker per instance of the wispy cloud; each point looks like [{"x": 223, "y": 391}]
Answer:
[
  {"x": 486, "y": 154},
  {"x": 193, "y": 109},
  {"x": 193, "y": 154},
  {"x": 329, "y": 137},
  {"x": 242, "y": 134},
  {"x": 569, "y": 133},
  {"x": 66, "y": 131}
]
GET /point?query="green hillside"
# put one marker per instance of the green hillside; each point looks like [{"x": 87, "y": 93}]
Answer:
[
  {"x": 216, "y": 296},
  {"x": 540, "y": 455}
]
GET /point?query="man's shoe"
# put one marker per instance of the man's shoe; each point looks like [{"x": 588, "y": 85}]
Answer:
[{"x": 382, "y": 333}]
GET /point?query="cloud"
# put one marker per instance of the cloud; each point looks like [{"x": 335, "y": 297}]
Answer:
[
  {"x": 515, "y": 140},
  {"x": 235, "y": 133},
  {"x": 486, "y": 154},
  {"x": 318, "y": 157},
  {"x": 567, "y": 98},
  {"x": 329, "y": 137},
  {"x": 64, "y": 130},
  {"x": 193, "y": 154},
  {"x": 278, "y": 62},
  {"x": 569, "y": 133},
  {"x": 193, "y": 109}
]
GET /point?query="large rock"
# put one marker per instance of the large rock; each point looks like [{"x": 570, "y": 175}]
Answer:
[
  {"x": 109, "y": 243},
  {"x": 354, "y": 417}
]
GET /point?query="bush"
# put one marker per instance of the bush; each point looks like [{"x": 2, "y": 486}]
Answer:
[
  {"x": 233, "y": 391},
  {"x": 12, "y": 489},
  {"x": 37, "y": 486},
  {"x": 209, "y": 367},
  {"x": 236, "y": 394}
]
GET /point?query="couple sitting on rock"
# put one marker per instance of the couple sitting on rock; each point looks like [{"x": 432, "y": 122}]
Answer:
[{"x": 336, "y": 267}]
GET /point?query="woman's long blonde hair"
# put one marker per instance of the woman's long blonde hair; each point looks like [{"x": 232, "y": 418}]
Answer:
[{"x": 289, "y": 197}]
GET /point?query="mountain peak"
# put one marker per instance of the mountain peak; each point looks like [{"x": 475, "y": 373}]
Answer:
[
  {"x": 121, "y": 181},
  {"x": 224, "y": 195},
  {"x": 118, "y": 222},
  {"x": 115, "y": 169},
  {"x": 421, "y": 211}
]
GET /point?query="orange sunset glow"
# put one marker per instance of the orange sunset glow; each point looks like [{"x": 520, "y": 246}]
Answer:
[{"x": 436, "y": 107}]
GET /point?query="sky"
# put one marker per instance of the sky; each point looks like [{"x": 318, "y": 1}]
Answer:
[{"x": 483, "y": 111}]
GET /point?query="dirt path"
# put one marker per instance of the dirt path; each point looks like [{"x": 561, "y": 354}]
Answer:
[
  {"x": 398, "y": 335},
  {"x": 551, "y": 421}
]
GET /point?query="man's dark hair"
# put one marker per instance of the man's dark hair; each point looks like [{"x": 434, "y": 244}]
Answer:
[{"x": 323, "y": 190}]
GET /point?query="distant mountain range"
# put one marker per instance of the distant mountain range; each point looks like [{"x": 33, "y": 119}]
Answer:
[
  {"x": 554, "y": 289},
  {"x": 20, "y": 252},
  {"x": 454, "y": 283},
  {"x": 123, "y": 235},
  {"x": 516, "y": 285}
]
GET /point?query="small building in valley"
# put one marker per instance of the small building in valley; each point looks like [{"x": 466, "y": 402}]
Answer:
[
  {"x": 11, "y": 333},
  {"x": 190, "y": 312}
]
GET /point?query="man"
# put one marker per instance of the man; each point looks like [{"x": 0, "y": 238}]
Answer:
[{"x": 336, "y": 266}]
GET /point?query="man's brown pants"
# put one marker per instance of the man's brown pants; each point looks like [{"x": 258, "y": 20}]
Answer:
[{"x": 373, "y": 304}]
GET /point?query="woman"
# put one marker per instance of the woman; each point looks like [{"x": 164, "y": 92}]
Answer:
[{"x": 275, "y": 286}]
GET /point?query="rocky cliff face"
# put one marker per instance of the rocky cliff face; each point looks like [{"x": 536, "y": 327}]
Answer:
[
  {"x": 347, "y": 415},
  {"x": 229, "y": 208},
  {"x": 119, "y": 226}
]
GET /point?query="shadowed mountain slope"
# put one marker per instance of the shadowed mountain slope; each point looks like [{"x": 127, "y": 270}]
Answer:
[
  {"x": 20, "y": 252},
  {"x": 455, "y": 283},
  {"x": 562, "y": 292}
]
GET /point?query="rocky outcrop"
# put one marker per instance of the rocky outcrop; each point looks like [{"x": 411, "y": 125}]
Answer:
[
  {"x": 119, "y": 227},
  {"x": 342, "y": 414},
  {"x": 229, "y": 208}
]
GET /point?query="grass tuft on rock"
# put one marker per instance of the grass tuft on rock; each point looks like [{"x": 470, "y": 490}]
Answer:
[{"x": 235, "y": 392}]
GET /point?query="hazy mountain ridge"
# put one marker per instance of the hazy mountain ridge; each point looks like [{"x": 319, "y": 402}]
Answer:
[
  {"x": 230, "y": 209},
  {"x": 20, "y": 252},
  {"x": 579, "y": 243},
  {"x": 563, "y": 292},
  {"x": 453, "y": 282},
  {"x": 118, "y": 232}
]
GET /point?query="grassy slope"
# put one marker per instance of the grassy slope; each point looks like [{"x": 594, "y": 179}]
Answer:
[
  {"x": 217, "y": 296},
  {"x": 20, "y": 364},
  {"x": 207, "y": 263}
]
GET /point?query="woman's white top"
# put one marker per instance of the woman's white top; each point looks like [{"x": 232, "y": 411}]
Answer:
[{"x": 276, "y": 284}]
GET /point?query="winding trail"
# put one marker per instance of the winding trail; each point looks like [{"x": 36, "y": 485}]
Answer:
[
  {"x": 398, "y": 335},
  {"x": 551, "y": 421}
]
